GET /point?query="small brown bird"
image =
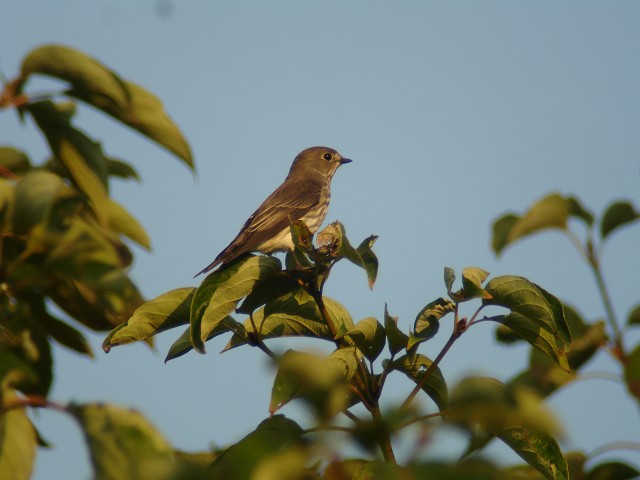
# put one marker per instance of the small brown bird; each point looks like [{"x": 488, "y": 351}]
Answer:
[{"x": 304, "y": 195}]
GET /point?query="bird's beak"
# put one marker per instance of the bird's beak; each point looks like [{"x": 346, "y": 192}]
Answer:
[{"x": 345, "y": 160}]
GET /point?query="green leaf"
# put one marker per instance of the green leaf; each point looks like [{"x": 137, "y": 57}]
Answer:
[
  {"x": 577, "y": 210},
  {"x": 319, "y": 380},
  {"x": 612, "y": 471},
  {"x": 183, "y": 344},
  {"x": 397, "y": 339},
  {"x": 501, "y": 230},
  {"x": 540, "y": 450},
  {"x": 544, "y": 375},
  {"x": 34, "y": 196},
  {"x": 123, "y": 443},
  {"x": 333, "y": 241},
  {"x": 66, "y": 335},
  {"x": 221, "y": 291},
  {"x": 100, "y": 306},
  {"x": 632, "y": 372},
  {"x": 415, "y": 367},
  {"x": 239, "y": 461},
  {"x": 145, "y": 113},
  {"x": 15, "y": 372},
  {"x": 85, "y": 74},
  {"x": 617, "y": 215},
  {"x": 369, "y": 336},
  {"x": 83, "y": 253},
  {"x": 550, "y": 212},
  {"x": 18, "y": 442},
  {"x": 121, "y": 221},
  {"x": 82, "y": 158},
  {"x": 7, "y": 199},
  {"x": 428, "y": 320},
  {"x": 14, "y": 161},
  {"x": 449, "y": 278},
  {"x": 268, "y": 289},
  {"x": 301, "y": 236},
  {"x": 369, "y": 259},
  {"x": 295, "y": 314},
  {"x": 166, "y": 311},
  {"x": 472, "y": 280},
  {"x": 536, "y": 315},
  {"x": 537, "y": 336},
  {"x": 100, "y": 87},
  {"x": 121, "y": 169},
  {"x": 634, "y": 316}
]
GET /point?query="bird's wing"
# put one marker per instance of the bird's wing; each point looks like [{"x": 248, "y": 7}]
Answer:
[{"x": 290, "y": 200}]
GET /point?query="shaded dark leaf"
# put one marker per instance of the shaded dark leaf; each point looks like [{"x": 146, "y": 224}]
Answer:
[
  {"x": 396, "y": 338},
  {"x": 617, "y": 215},
  {"x": 415, "y": 367}
]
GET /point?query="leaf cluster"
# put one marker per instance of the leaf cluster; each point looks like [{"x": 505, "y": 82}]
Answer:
[
  {"x": 64, "y": 242},
  {"x": 288, "y": 301}
]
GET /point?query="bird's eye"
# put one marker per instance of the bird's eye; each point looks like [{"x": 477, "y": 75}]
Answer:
[{"x": 328, "y": 157}]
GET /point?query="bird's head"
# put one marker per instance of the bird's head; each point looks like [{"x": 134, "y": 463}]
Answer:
[{"x": 323, "y": 160}]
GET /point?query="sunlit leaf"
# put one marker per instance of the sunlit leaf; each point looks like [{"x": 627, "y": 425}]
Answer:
[
  {"x": 123, "y": 443},
  {"x": 83, "y": 253},
  {"x": 95, "y": 84},
  {"x": 415, "y": 367},
  {"x": 166, "y": 311},
  {"x": 14, "y": 161},
  {"x": 144, "y": 112},
  {"x": 85, "y": 74},
  {"x": 221, "y": 291},
  {"x": 7, "y": 199},
  {"x": 18, "y": 442},
  {"x": 121, "y": 221},
  {"x": 290, "y": 463},
  {"x": 617, "y": 215},
  {"x": 472, "y": 280},
  {"x": 551, "y": 212}
]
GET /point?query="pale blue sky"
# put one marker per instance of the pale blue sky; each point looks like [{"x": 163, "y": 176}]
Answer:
[{"x": 453, "y": 113}]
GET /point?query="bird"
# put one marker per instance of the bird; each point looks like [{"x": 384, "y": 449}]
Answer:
[{"x": 304, "y": 195}]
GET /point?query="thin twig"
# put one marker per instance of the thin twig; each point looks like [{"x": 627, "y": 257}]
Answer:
[{"x": 454, "y": 336}]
